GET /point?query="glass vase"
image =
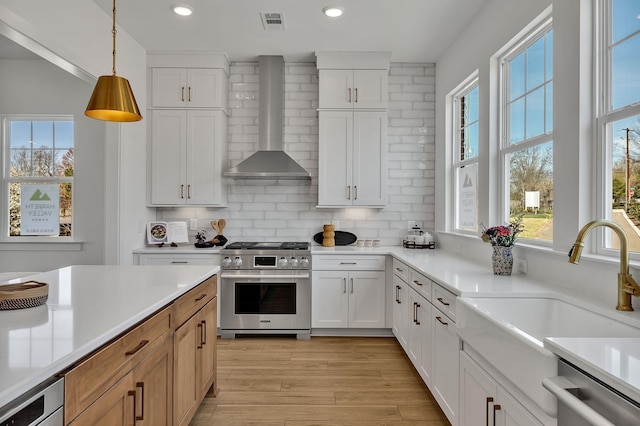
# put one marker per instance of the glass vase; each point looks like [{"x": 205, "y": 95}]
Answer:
[{"x": 502, "y": 260}]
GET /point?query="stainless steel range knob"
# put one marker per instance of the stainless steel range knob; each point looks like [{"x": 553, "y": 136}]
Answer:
[
  {"x": 237, "y": 262},
  {"x": 283, "y": 262},
  {"x": 226, "y": 262},
  {"x": 304, "y": 262},
  {"x": 293, "y": 262}
]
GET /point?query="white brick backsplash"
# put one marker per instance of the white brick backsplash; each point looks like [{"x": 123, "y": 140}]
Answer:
[{"x": 286, "y": 210}]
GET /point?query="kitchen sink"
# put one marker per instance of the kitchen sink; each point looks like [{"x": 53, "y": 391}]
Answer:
[{"x": 509, "y": 334}]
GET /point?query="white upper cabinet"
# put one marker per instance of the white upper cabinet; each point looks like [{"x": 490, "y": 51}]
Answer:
[
  {"x": 353, "y": 89},
  {"x": 189, "y": 87}
]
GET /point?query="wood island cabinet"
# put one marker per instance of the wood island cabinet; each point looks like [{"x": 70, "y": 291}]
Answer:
[{"x": 145, "y": 376}]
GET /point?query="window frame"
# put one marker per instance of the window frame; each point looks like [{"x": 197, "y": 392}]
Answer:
[
  {"x": 505, "y": 148},
  {"x": 605, "y": 115},
  {"x": 5, "y": 236},
  {"x": 465, "y": 88}
]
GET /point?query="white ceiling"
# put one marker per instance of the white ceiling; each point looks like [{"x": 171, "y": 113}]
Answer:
[{"x": 413, "y": 30}]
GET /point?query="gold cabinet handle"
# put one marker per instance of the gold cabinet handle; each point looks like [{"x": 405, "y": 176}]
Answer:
[
  {"x": 189, "y": 94},
  {"x": 349, "y": 95},
  {"x": 141, "y": 345},
  {"x": 348, "y": 192},
  {"x": 417, "y": 282},
  {"x": 355, "y": 188},
  {"x": 181, "y": 191},
  {"x": 182, "y": 95},
  {"x": 141, "y": 386},
  {"x": 489, "y": 401},
  {"x": 442, "y": 322},
  {"x": 442, "y": 301},
  {"x": 189, "y": 191}
]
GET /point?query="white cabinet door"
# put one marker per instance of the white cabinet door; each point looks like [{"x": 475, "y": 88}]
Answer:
[
  {"x": 168, "y": 157},
  {"x": 425, "y": 364},
  {"x": 352, "y": 161},
  {"x": 188, "y": 87},
  {"x": 511, "y": 412},
  {"x": 369, "y": 158},
  {"x": 366, "y": 299},
  {"x": 446, "y": 351},
  {"x": 477, "y": 394},
  {"x": 414, "y": 346},
  {"x": 401, "y": 311},
  {"x": 336, "y": 89},
  {"x": 370, "y": 88},
  {"x": 206, "y": 137},
  {"x": 349, "y": 89},
  {"x": 335, "y": 158},
  {"x": 329, "y": 299}
]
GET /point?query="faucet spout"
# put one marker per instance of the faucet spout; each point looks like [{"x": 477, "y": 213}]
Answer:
[{"x": 627, "y": 286}]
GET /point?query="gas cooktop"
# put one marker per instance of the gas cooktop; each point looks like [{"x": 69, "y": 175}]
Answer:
[{"x": 244, "y": 245}]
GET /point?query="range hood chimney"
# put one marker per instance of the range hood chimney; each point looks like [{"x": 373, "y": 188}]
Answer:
[{"x": 270, "y": 161}]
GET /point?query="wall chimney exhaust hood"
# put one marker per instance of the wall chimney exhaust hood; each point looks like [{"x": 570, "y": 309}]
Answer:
[{"x": 270, "y": 161}]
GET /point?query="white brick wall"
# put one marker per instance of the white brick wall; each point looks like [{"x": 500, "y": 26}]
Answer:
[{"x": 285, "y": 210}]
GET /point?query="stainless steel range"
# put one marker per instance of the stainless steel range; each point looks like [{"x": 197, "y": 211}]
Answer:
[{"x": 265, "y": 288}]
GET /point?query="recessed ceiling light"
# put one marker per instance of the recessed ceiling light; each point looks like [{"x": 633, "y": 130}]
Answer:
[
  {"x": 333, "y": 11},
  {"x": 182, "y": 9}
]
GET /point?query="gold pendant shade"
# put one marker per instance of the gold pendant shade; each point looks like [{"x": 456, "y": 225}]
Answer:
[{"x": 112, "y": 98}]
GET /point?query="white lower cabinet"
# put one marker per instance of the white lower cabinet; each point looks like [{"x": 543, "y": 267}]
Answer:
[
  {"x": 446, "y": 351},
  {"x": 484, "y": 402},
  {"x": 342, "y": 299},
  {"x": 400, "y": 306},
  {"x": 420, "y": 341}
]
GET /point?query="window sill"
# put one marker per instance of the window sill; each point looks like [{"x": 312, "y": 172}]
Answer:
[{"x": 41, "y": 245}]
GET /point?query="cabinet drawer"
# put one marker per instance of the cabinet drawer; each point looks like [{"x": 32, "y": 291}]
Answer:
[
  {"x": 401, "y": 270},
  {"x": 420, "y": 283},
  {"x": 444, "y": 300},
  {"x": 87, "y": 381},
  {"x": 195, "y": 299},
  {"x": 349, "y": 263},
  {"x": 163, "y": 259}
]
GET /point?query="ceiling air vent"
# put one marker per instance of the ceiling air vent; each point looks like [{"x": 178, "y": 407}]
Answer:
[{"x": 272, "y": 21}]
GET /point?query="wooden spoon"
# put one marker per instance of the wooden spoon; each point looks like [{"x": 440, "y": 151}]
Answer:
[
  {"x": 214, "y": 225},
  {"x": 221, "y": 224}
]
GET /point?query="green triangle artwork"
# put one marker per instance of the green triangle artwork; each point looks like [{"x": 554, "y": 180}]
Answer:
[{"x": 40, "y": 209}]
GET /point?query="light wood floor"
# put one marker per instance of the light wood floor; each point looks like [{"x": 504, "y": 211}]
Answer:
[{"x": 280, "y": 381}]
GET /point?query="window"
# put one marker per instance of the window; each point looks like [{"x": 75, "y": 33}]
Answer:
[
  {"x": 526, "y": 150},
  {"x": 619, "y": 116},
  {"x": 466, "y": 115},
  {"x": 38, "y": 176}
]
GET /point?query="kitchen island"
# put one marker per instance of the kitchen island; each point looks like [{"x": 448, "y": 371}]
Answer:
[{"x": 88, "y": 307}]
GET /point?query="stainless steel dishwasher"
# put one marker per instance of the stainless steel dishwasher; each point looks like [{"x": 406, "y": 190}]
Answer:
[
  {"x": 42, "y": 405},
  {"x": 583, "y": 399}
]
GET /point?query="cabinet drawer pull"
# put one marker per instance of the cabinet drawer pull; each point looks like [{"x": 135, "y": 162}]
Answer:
[
  {"x": 355, "y": 188},
  {"x": 356, "y": 95},
  {"x": 397, "y": 294},
  {"x": 199, "y": 327},
  {"x": 202, "y": 296},
  {"x": 204, "y": 332},
  {"x": 399, "y": 269},
  {"x": 182, "y": 95},
  {"x": 351, "y": 285},
  {"x": 180, "y": 261},
  {"x": 189, "y": 93},
  {"x": 417, "y": 311},
  {"x": 348, "y": 263},
  {"x": 189, "y": 191},
  {"x": 133, "y": 394},
  {"x": 137, "y": 348},
  {"x": 489, "y": 401},
  {"x": 417, "y": 282},
  {"x": 442, "y": 322},
  {"x": 181, "y": 191},
  {"x": 442, "y": 301},
  {"x": 141, "y": 386},
  {"x": 349, "y": 95},
  {"x": 348, "y": 192},
  {"x": 344, "y": 285}
]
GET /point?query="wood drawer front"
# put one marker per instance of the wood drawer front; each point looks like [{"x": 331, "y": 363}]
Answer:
[
  {"x": 420, "y": 283},
  {"x": 87, "y": 381},
  {"x": 401, "y": 270},
  {"x": 192, "y": 301},
  {"x": 444, "y": 300},
  {"x": 349, "y": 263}
]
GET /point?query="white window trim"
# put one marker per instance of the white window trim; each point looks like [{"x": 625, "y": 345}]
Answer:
[{"x": 27, "y": 241}]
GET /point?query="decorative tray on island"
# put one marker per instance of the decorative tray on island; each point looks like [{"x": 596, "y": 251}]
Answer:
[
  {"x": 24, "y": 295},
  {"x": 414, "y": 245}
]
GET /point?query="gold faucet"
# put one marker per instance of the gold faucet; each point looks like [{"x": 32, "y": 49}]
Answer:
[{"x": 627, "y": 286}]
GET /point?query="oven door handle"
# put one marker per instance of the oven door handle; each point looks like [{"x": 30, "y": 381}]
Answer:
[{"x": 264, "y": 277}]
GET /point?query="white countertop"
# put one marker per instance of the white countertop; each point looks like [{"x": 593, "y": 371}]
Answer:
[
  {"x": 614, "y": 361},
  {"x": 87, "y": 307}
]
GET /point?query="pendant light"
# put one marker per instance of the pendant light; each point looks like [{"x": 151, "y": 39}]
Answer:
[{"x": 112, "y": 98}]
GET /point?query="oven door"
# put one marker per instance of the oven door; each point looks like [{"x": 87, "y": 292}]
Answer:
[{"x": 265, "y": 300}]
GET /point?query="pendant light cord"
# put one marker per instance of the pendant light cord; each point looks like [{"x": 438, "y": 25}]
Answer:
[{"x": 113, "y": 31}]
